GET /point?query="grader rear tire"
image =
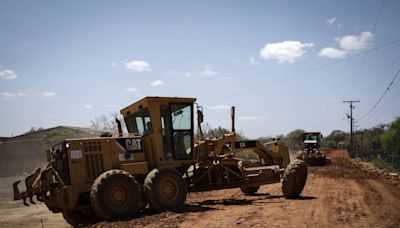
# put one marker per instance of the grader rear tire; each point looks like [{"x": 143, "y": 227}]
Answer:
[
  {"x": 115, "y": 194},
  {"x": 294, "y": 179},
  {"x": 165, "y": 189},
  {"x": 72, "y": 217}
]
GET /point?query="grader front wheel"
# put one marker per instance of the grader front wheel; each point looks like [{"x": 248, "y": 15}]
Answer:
[
  {"x": 165, "y": 189},
  {"x": 115, "y": 194},
  {"x": 294, "y": 178}
]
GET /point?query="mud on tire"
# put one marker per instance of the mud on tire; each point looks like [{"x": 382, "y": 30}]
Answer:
[
  {"x": 115, "y": 194},
  {"x": 294, "y": 178},
  {"x": 165, "y": 189}
]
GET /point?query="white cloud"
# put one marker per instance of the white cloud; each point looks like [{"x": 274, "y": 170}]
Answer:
[
  {"x": 138, "y": 66},
  {"x": 180, "y": 74},
  {"x": 156, "y": 83},
  {"x": 330, "y": 21},
  {"x": 88, "y": 106},
  {"x": 131, "y": 89},
  {"x": 208, "y": 72},
  {"x": 8, "y": 75},
  {"x": 11, "y": 96},
  {"x": 219, "y": 107},
  {"x": 252, "y": 61},
  {"x": 8, "y": 96},
  {"x": 48, "y": 93},
  {"x": 286, "y": 51},
  {"x": 114, "y": 64},
  {"x": 22, "y": 94},
  {"x": 332, "y": 53},
  {"x": 356, "y": 42},
  {"x": 226, "y": 78},
  {"x": 349, "y": 45},
  {"x": 248, "y": 118}
]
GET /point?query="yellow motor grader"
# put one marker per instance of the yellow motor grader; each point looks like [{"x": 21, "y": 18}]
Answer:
[
  {"x": 160, "y": 160},
  {"x": 312, "y": 153}
]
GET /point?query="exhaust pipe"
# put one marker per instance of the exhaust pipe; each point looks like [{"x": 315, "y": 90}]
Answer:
[{"x": 233, "y": 118}]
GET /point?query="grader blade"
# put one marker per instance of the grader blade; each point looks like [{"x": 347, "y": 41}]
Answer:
[
  {"x": 29, "y": 182},
  {"x": 20, "y": 195}
]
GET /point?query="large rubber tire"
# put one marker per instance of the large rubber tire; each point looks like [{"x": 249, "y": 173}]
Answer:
[
  {"x": 75, "y": 218},
  {"x": 246, "y": 190},
  {"x": 249, "y": 190},
  {"x": 294, "y": 178},
  {"x": 115, "y": 194},
  {"x": 165, "y": 190}
]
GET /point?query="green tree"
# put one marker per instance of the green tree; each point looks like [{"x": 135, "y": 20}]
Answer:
[
  {"x": 34, "y": 129},
  {"x": 334, "y": 138},
  {"x": 391, "y": 138},
  {"x": 294, "y": 139},
  {"x": 217, "y": 132}
]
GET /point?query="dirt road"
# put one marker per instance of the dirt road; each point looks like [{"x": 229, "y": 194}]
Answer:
[{"x": 346, "y": 193}]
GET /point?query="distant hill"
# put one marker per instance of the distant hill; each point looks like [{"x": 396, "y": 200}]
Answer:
[{"x": 23, "y": 153}]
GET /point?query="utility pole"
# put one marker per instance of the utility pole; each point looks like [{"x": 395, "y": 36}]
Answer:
[{"x": 351, "y": 121}]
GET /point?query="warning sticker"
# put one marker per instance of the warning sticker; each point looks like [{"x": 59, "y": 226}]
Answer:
[{"x": 76, "y": 154}]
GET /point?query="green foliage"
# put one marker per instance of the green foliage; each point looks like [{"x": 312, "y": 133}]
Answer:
[
  {"x": 367, "y": 143},
  {"x": 219, "y": 132},
  {"x": 55, "y": 136},
  {"x": 294, "y": 139},
  {"x": 391, "y": 138},
  {"x": 334, "y": 139},
  {"x": 247, "y": 155},
  {"x": 34, "y": 129}
]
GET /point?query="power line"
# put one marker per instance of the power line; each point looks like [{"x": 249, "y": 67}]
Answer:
[
  {"x": 388, "y": 102},
  {"x": 380, "y": 99},
  {"x": 386, "y": 75},
  {"x": 363, "y": 58},
  {"x": 305, "y": 72},
  {"x": 379, "y": 15}
]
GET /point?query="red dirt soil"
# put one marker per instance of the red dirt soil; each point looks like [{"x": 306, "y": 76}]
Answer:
[{"x": 345, "y": 193}]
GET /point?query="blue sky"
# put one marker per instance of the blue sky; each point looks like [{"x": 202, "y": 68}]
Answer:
[{"x": 66, "y": 62}]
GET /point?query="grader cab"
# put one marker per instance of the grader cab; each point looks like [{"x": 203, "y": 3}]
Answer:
[{"x": 156, "y": 163}]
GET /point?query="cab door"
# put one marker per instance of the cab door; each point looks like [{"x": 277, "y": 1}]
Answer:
[{"x": 177, "y": 130}]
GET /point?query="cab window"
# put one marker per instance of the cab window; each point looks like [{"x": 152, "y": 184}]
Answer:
[
  {"x": 182, "y": 130},
  {"x": 139, "y": 122}
]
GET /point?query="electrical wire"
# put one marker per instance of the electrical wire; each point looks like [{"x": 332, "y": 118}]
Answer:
[
  {"x": 383, "y": 95},
  {"x": 363, "y": 58},
  {"x": 304, "y": 73},
  {"x": 390, "y": 100}
]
